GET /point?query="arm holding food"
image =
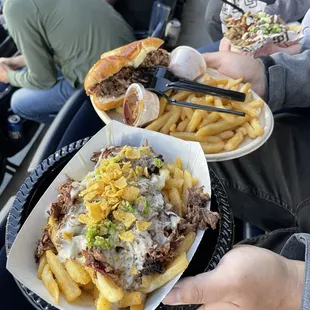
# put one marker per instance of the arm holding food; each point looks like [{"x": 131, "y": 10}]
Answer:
[
  {"x": 288, "y": 76},
  {"x": 289, "y": 10},
  {"x": 251, "y": 278}
]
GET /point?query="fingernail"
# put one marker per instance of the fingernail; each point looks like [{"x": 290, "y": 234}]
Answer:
[{"x": 173, "y": 298}]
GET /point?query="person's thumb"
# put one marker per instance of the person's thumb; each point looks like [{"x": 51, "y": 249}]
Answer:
[
  {"x": 213, "y": 60},
  {"x": 205, "y": 288}
]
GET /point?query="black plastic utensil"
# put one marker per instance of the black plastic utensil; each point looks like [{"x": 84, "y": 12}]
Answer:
[
  {"x": 196, "y": 106},
  {"x": 162, "y": 79}
]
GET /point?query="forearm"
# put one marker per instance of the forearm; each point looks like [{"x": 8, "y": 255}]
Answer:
[
  {"x": 26, "y": 79},
  {"x": 288, "y": 81}
]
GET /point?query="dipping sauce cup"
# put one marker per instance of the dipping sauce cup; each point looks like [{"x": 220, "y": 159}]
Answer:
[
  {"x": 187, "y": 63},
  {"x": 140, "y": 106}
]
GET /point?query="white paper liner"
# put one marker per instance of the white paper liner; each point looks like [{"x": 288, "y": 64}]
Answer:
[
  {"x": 21, "y": 262},
  {"x": 255, "y": 6}
]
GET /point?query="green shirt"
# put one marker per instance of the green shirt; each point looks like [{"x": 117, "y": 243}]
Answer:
[{"x": 68, "y": 34}]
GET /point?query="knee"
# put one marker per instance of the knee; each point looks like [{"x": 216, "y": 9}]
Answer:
[{"x": 18, "y": 103}]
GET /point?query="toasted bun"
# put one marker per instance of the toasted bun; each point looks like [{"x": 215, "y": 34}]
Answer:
[
  {"x": 105, "y": 104},
  {"x": 131, "y": 55}
]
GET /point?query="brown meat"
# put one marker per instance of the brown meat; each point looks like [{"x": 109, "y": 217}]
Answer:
[
  {"x": 44, "y": 244},
  {"x": 198, "y": 215},
  {"x": 95, "y": 260},
  {"x": 117, "y": 84}
]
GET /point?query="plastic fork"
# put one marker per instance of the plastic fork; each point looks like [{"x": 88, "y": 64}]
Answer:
[
  {"x": 196, "y": 106},
  {"x": 162, "y": 80}
]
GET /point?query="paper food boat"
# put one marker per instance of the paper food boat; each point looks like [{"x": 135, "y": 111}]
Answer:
[
  {"x": 257, "y": 48},
  {"x": 21, "y": 257}
]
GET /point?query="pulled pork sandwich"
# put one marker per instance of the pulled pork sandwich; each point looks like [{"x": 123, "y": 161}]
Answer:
[
  {"x": 108, "y": 80},
  {"x": 123, "y": 222}
]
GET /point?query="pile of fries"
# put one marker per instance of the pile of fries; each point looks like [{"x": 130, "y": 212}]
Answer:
[
  {"x": 73, "y": 279},
  {"x": 216, "y": 132}
]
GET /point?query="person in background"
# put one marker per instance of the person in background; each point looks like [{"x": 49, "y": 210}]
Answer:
[{"x": 59, "y": 42}]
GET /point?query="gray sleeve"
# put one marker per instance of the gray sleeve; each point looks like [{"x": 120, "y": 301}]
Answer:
[
  {"x": 289, "y": 10},
  {"x": 289, "y": 81},
  {"x": 298, "y": 248},
  {"x": 213, "y": 21}
]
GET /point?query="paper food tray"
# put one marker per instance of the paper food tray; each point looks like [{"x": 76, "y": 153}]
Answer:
[{"x": 21, "y": 257}]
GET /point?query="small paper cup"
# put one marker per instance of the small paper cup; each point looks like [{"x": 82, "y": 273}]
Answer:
[
  {"x": 140, "y": 106},
  {"x": 187, "y": 63}
]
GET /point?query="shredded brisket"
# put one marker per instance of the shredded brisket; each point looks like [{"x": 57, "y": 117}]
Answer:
[
  {"x": 44, "y": 244},
  {"x": 95, "y": 259},
  {"x": 198, "y": 213},
  {"x": 117, "y": 84}
]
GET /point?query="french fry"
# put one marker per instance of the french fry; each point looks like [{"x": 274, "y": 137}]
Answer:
[
  {"x": 234, "y": 142},
  {"x": 178, "y": 173},
  {"x": 175, "y": 199},
  {"x": 67, "y": 286},
  {"x": 190, "y": 136},
  {"x": 173, "y": 128},
  {"x": 249, "y": 130},
  {"x": 131, "y": 299},
  {"x": 197, "y": 100},
  {"x": 77, "y": 272},
  {"x": 211, "y": 139},
  {"x": 186, "y": 185},
  {"x": 212, "y": 118},
  {"x": 186, "y": 243},
  {"x": 173, "y": 183},
  {"x": 160, "y": 122},
  {"x": 50, "y": 283},
  {"x": 181, "y": 95},
  {"x": 218, "y": 127},
  {"x": 232, "y": 83},
  {"x": 183, "y": 115},
  {"x": 258, "y": 128},
  {"x": 235, "y": 88},
  {"x": 102, "y": 303},
  {"x": 172, "y": 120},
  {"x": 169, "y": 107},
  {"x": 226, "y": 134},
  {"x": 243, "y": 107},
  {"x": 178, "y": 163},
  {"x": 108, "y": 289},
  {"x": 242, "y": 130},
  {"x": 195, "y": 121},
  {"x": 162, "y": 105},
  {"x": 89, "y": 287},
  {"x": 209, "y": 100},
  {"x": 188, "y": 112},
  {"x": 182, "y": 126},
  {"x": 137, "y": 307},
  {"x": 174, "y": 268},
  {"x": 245, "y": 88},
  {"x": 256, "y": 104},
  {"x": 227, "y": 117},
  {"x": 195, "y": 181},
  {"x": 42, "y": 264},
  {"x": 221, "y": 81},
  {"x": 212, "y": 148},
  {"x": 119, "y": 110}
]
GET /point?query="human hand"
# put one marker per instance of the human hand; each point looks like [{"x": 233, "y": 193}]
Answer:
[
  {"x": 247, "y": 278},
  {"x": 236, "y": 65},
  {"x": 4, "y": 73}
]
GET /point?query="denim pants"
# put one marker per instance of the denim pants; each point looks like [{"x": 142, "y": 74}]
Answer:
[{"x": 41, "y": 105}]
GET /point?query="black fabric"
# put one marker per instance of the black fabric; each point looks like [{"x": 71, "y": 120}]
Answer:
[
  {"x": 84, "y": 124},
  {"x": 270, "y": 187}
]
